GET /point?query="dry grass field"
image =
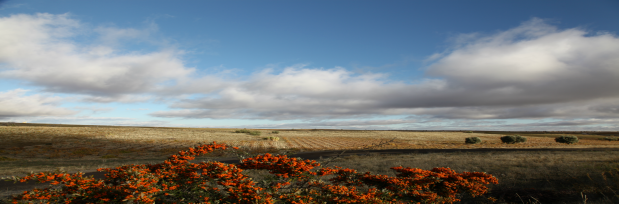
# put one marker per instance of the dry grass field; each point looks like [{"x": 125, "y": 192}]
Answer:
[
  {"x": 110, "y": 144},
  {"x": 84, "y": 148}
]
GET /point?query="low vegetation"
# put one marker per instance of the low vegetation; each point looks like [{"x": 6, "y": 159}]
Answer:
[
  {"x": 250, "y": 132},
  {"x": 272, "y": 138},
  {"x": 472, "y": 140},
  {"x": 513, "y": 139},
  {"x": 567, "y": 139},
  {"x": 291, "y": 181},
  {"x": 611, "y": 138}
]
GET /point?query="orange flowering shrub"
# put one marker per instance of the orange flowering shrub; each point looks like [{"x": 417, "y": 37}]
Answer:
[{"x": 292, "y": 180}]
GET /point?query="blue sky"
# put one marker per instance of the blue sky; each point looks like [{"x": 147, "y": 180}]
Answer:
[{"x": 463, "y": 65}]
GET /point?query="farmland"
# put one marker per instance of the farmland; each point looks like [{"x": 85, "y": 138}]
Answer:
[
  {"x": 25, "y": 148},
  {"x": 98, "y": 142},
  {"x": 91, "y": 142}
]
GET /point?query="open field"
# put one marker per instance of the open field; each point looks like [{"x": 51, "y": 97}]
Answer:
[
  {"x": 77, "y": 142},
  {"x": 84, "y": 148},
  {"x": 102, "y": 145}
]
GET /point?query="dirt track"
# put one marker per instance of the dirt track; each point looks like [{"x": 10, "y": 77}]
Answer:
[{"x": 9, "y": 186}]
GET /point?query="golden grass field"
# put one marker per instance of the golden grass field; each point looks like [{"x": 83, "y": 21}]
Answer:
[
  {"x": 79, "y": 142},
  {"x": 31, "y": 142},
  {"x": 84, "y": 148}
]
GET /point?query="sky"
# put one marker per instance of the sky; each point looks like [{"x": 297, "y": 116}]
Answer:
[{"x": 336, "y": 64}]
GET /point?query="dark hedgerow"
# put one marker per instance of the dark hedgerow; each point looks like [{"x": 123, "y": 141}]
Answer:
[
  {"x": 568, "y": 139},
  {"x": 513, "y": 139},
  {"x": 472, "y": 140}
]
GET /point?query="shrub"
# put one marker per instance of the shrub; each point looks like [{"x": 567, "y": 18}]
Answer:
[
  {"x": 275, "y": 132},
  {"x": 272, "y": 138},
  {"x": 291, "y": 181},
  {"x": 254, "y": 132},
  {"x": 520, "y": 139},
  {"x": 568, "y": 139},
  {"x": 472, "y": 140},
  {"x": 612, "y": 138},
  {"x": 513, "y": 139}
]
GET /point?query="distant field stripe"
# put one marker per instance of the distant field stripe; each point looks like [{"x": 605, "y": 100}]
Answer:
[
  {"x": 310, "y": 143},
  {"x": 280, "y": 144},
  {"x": 254, "y": 144},
  {"x": 291, "y": 142},
  {"x": 319, "y": 143},
  {"x": 265, "y": 144}
]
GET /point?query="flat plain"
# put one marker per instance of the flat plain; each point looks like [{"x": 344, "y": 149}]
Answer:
[{"x": 40, "y": 148}]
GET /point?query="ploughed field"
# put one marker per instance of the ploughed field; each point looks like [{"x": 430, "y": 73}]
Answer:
[{"x": 18, "y": 142}]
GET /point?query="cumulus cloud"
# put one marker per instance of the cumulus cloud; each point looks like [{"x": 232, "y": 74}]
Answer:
[
  {"x": 16, "y": 103},
  {"x": 534, "y": 70},
  {"x": 38, "y": 49},
  {"x": 532, "y": 64},
  {"x": 295, "y": 93},
  {"x": 124, "y": 98},
  {"x": 600, "y": 108}
]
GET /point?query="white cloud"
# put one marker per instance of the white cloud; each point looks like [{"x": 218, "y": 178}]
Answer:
[
  {"x": 346, "y": 124},
  {"x": 601, "y": 108},
  {"x": 535, "y": 63},
  {"x": 38, "y": 50},
  {"x": 295, "y": 93},
  {"x": 15, "y": 104},
  {"x": 532, "y": 71},
  {"x": 89, "y": 120},
  {"x": 125, "y": 98}
]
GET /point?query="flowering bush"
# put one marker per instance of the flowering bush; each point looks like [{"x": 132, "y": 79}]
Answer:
[{"x": 291, "y": 181}]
